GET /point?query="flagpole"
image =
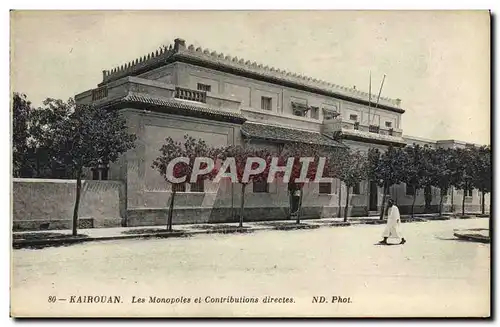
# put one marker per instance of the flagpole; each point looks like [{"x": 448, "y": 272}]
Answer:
[
  {"x": 369, "y": 96},
  {"x": 379, "y": 92}
]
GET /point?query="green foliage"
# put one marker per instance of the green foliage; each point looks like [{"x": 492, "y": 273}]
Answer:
[
  {"x": 418, "y": 166},
  {"x": 21, "y": 111},
  {"x": 88, "y": 137},
  {"x": 60, "y": 139},
  {"x": 241, "y": 154},
  {"x": 387, "y": 168},
  {"x": 190, "y": 148},
  {"x": 302, "y": 150},
  {"x": 351, "y": 167},
  {"x": 443, "y": 168},
  {"x": 463, "y": 167},
  {"x": 34, "y": 135},
  {"x": 482, "y": 169}
]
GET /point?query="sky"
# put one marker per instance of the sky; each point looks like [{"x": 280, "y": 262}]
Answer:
[{"x": 437, "y": 62}]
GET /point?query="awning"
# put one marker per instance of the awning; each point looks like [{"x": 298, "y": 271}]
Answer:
[
  {"x": 374, "y": 138},
  {"x": 176, "y": 107},
  {"x": 283, "y": 134}
]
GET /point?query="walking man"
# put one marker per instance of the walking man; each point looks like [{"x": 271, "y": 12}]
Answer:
[{"x": 393, "y": 227}]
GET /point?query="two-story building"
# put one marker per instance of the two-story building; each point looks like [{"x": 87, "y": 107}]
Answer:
[{"x": 182, "y": 90}]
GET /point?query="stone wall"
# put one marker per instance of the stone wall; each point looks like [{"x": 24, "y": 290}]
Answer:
[{"x": 48, "y": 204}]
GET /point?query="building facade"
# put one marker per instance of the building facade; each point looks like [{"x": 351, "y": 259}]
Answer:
[{"x": 226, "y": 100}]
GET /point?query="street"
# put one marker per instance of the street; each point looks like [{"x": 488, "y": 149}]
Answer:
[{"x": 433, "y": 274}]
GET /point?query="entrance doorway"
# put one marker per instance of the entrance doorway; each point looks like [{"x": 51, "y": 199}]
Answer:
[{"x": 373, "y": 196}]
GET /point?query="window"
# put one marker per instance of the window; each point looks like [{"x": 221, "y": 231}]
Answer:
[
  {"x": 199, "y": 186},
  {"x": 391, "y": 131},
  {"x": 104, "y": 174},
  {"x": 325, "y": 188},
  {"x": 373, "y": 129},
  {"x": 260, "y": 187},
  {"x": 329, "y": 114},
  {"x": 356, "y": 125},
  {"x": 300, "y": 109},
  {"x": 336, "y": 184},
  {"x": 356, "y": 189},
  {"x": 469, "y": 192},
  {"x": 95, "y": 174},
  {"x": 100, "y": 173},
  {"x": 314, "y": 112},
  {"x": 353, "y": 117},
  {"x": 410, "y": 190},
  {"x": 266, "y": 103},
  {"x": 204, "y": 87},
  {"x": 388, "y": 124},
  {"x": 179, "y": 187},
  {"x": 300, "y": 113}
]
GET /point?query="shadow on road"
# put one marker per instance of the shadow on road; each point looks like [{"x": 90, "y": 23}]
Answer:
[{"x": 452, "y": 239}]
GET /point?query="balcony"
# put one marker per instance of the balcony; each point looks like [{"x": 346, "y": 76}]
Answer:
[
  {"x": 99, "y": 93},
  {"x": 338, "y": 128},
  {"x": 374, "y": 129},
  {"x": 191, "y": 95}
]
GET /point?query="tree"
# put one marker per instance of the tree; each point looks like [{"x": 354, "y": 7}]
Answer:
[
  {"x": 296, "y": 151},
  {"x": 386, "y": 169},
  {"x": 236, "y": 158},
  {"x": 45, "y": 125},
  {"x": 21, "y": 111},
  {"x": 441, "y": 172},
  {"x": 351, "y": 169},
  {"x": 191, "y": 149},
  {"x": 463, "y": 170},
  {"x": 90, "y": 136},
  {"x": 34, "y": 135},
  {"x": 417, "y": 170},
  {"x": 482, "y": 173}
]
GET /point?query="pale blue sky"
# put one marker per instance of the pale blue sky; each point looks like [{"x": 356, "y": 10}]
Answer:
[{"x": 438, "y": 63}]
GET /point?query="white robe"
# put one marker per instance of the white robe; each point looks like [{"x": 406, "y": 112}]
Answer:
[{"x": 393, "y": 227}]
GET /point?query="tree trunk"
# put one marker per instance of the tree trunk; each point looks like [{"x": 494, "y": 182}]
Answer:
[
  {"x": 77, "y": 201},
  {"x": 346, "y": 209},
  {"x": 300, "y": 206},
  {"x": 37, "y": 167},
  {"x": 413, "y": 203},
  {"x": 463, "y": 202},
  {"x": 482, "y": 202},
  {"x": 171, "y": 209},
  {"x": 242, "y": 206},
  {"x": 440, "y": 203},
  {"x": 340, "y": 199},
  {"x": 452, "y": 204},
  {"x": 383, "y": 202},
  {"x": 290, "y": 204}
]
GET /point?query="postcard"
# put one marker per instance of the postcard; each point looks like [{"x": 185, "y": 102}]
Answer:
[{"x": 249, "y": 164}]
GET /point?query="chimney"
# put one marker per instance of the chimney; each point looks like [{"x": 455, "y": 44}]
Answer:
[
  {"x": 179, "y": 43},
  {"x": 104, "y": 74}
]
